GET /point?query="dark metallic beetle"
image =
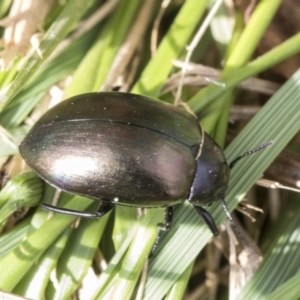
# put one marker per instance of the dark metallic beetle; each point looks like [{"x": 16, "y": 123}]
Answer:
[{"x": 121, "y": 148}]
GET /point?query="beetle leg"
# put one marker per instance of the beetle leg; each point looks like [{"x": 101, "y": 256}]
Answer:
[
  {"x": 208, "y": 219},
  {"x": 103, "y": 209},
  {"x": 163, "y": 227}
]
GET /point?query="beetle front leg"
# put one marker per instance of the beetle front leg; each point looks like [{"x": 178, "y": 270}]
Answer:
[
  {"x": 208, "y": 219},
  {"x": 103, "y": 209},
  {"x": 163, "y": 227}
]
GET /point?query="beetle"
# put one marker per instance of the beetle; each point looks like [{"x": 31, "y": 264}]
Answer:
[{"x": 126, "y": 149}]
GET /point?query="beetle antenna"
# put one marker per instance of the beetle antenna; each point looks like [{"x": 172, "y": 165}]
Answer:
[
  {"x": 262, "y": 146},
  {"x": 244, "y": 241}
]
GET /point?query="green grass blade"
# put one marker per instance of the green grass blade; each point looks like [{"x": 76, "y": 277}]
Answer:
[
  {"x": 77, "y": 256},
  {"x": 281, "y": 259},
  {"x": 178, "y": 289},
  {"x": 95, "y": 66},
  {"x": 126, "y": 278},
  {"x": 65, "y": 22},
  {"x": 255, "y": 29},
  {"x": 49, "y": 243},
  {"x": 18, "y": 262},
  {"x": 12, "y": 238},
  {"x": 34, "y": 283},
  {"x": 23, "y": 190},
  {"x": 240, "y": 55},
  {"x": 49, "y": 74},
  {"x": 4, "y": 6},
  {"x": 124, "y": 221},
  {"x": 288, "y": 290},
  {"x": 285, "y": 50},
  {"x": 278, "y": 120},
  {"x": 10, "y": 140},
  {"x": 155, "y": 74},
  {"x": 108, "y": 277}
]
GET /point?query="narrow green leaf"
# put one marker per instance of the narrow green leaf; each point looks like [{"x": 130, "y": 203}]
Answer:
[
  {"x": 131, "y": 266},
  {"x": 49, "y": 74},
  {"x": 65, "y": 22},
  {"x": 281, "y": 260},
  {"x": 239, "y": 56},
  {"x": 96, "y": 64},
  {"x": 11, "y": 239},
  {"x": 108, "y": 277},
  {"x": 78, "y": 255},
  {"x": 125, "y": 217},
  {"x": 4, "y": 6},
  {"x": 285, "y": 50},
  {"x": 288, "y": 290},
  {"x": 34, "y": 283},
  {"x": 18, "y": 262},
  {"x": 10, "y": 140},
  {"x": 255, "y": 29},
  {"x": 178, "y": 289},
  {"x": 23, "y": 190},
  {"x": 278, "y": 120},
  {"x": 155, "y": 74}
]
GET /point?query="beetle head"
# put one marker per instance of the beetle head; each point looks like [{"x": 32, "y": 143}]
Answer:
[{"x": 212, "y": 174}]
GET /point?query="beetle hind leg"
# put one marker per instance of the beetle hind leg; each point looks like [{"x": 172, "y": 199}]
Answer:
[
  {"x": 103, "y": 209},
  {"x": 208, "y": 219},
  {"x": 163, "y": 227}
]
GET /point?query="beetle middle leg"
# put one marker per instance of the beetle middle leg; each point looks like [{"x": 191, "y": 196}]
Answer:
[
  {"x": 163, "y": 227},
  {"x": 103, "y": 209}
]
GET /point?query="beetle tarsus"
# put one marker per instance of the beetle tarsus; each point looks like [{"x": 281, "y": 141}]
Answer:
[
  {"x": 163, "y": 227},
  {"x": 238, "y": 232},
  {"x": 103, "y": 209}
]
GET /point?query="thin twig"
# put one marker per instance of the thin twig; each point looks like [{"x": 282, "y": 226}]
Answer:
[
  {"x": 128, "y": 48},
  {"x": 275, "y": 185},
  {"x": 247, "y": 214},
  {"x": 141, "y": 287},
  {"x": 154, "y": 33},
  {"x": 193, "y": 45},
  {"x": 250, "y": 206},
  {"x": 200, "y": 75},
  {"x": 87, "y": 24}
]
